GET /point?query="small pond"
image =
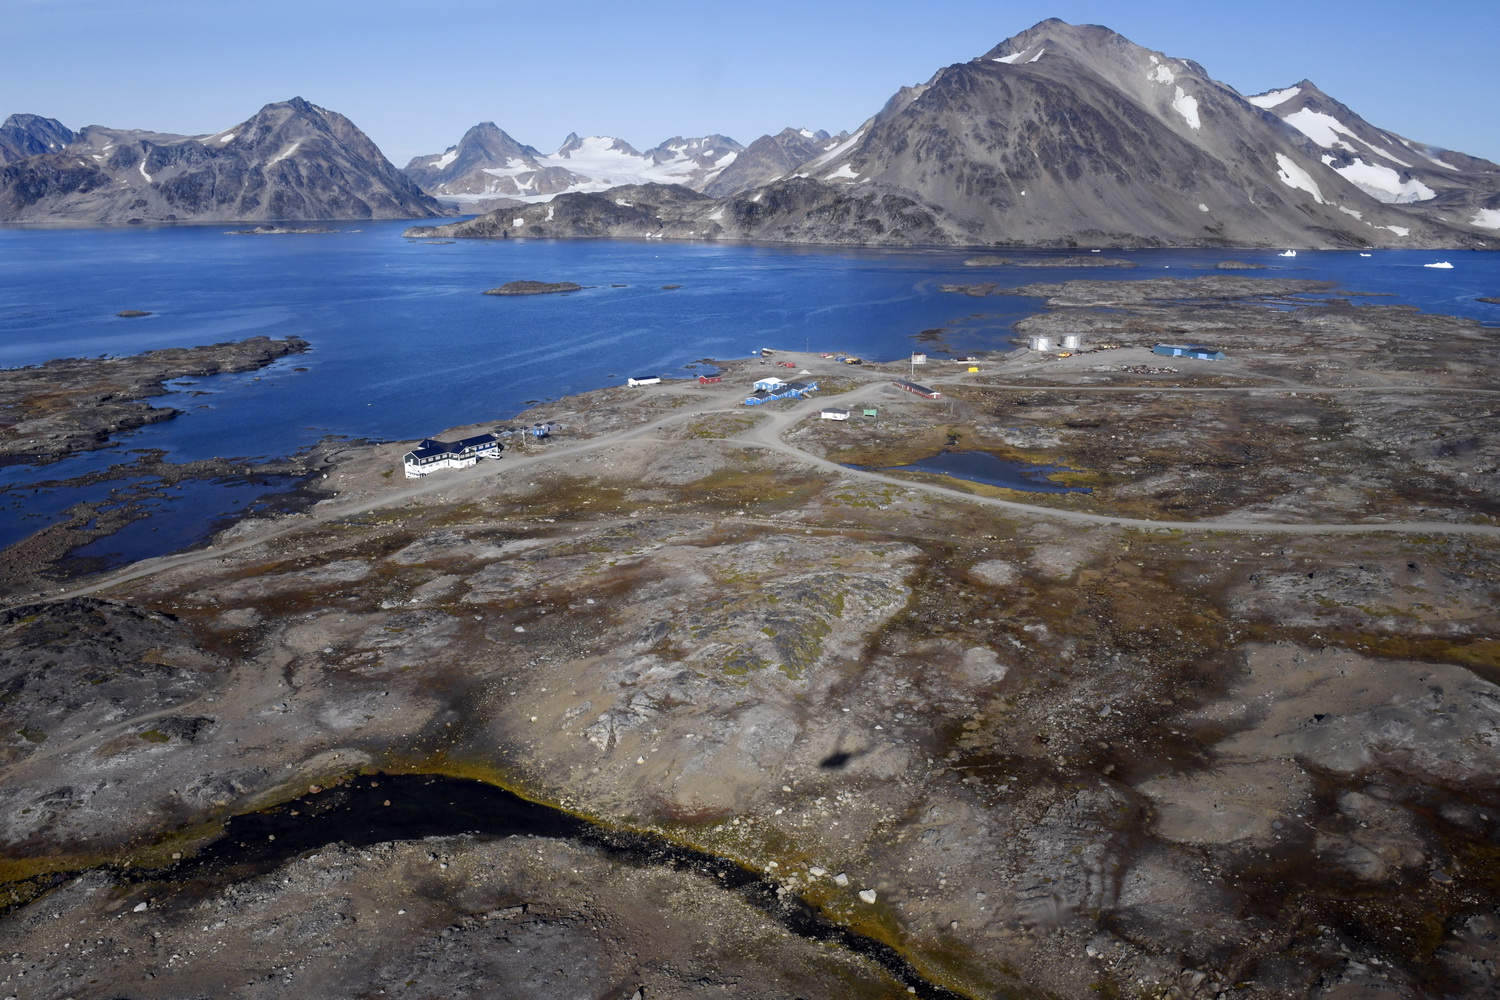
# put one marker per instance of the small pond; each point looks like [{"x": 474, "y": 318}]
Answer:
[{"x": 982, "y": 467}]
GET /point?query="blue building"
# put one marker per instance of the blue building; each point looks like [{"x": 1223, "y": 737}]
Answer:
[
  {"x": 773, "y": 388},
  {"x": 1190, "y": 351}
]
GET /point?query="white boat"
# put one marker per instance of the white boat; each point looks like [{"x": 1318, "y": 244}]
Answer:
[
  {"x": 1442, "y": 263},
  {"x": 1287, "y": 253},
  {"x": 1364, "y": 255}
]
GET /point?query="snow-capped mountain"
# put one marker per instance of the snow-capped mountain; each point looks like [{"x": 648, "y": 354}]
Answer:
[
  {"x": 291, "y": 161},
  {"x": 1391, "y": 169},
  {"x": 1074, "y": 134},
  {"x": 1063, "y": 135},
  {"x": 489, "y": 166}
]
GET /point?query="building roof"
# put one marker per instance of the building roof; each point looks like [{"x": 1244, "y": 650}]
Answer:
[{"x": 903, "y": 383}]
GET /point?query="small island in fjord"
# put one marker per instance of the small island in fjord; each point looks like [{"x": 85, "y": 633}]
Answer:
[{"x": 534, "y": 288}]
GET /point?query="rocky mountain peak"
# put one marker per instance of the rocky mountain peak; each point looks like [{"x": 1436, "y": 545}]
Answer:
[
  {"x": 1079, "y": 41},
  {"x": 31, "y": 135}
]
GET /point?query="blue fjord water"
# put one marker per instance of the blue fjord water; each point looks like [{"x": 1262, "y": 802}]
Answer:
[{"x": 405, "y": 346}]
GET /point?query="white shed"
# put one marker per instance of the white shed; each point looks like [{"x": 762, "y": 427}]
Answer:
[{"x": 834, "y": 413}]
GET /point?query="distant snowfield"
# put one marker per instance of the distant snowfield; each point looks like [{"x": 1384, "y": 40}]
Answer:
[{"x": 598, "y": 166}]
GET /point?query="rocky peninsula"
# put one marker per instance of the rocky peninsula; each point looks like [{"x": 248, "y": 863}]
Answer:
[
  {"x": 51, "y": 410},
  {"x": 1224, "y": 727}
]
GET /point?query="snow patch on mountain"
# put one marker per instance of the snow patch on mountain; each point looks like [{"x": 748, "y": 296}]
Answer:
[
  {"x": 1037, "y": 56},
  {"x": 1325, "y": 130},
  {"x": 1272, "y": 98},
  {"x": 1487, "y": 218},
  {"x": 446, "y": 160},
  {"x": 1008, "y": 60},
  {"x": 1320, "y": 128},
  {"x": 1162, "y": 73},
  {"x": 284, "y": 153},
  {"x": 1187, "y": 107},
  {"x": 1294, "y": 176},
  {"x": 844, "y": 172},
  {"x": 836, "y": 151},
  {"x": 1381, "y": 182},
  {"x": 1435, "y": 160}
]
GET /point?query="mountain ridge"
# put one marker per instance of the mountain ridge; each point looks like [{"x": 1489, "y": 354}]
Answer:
[
  {"x": 290, "y": 161},
  {"x": 1073, "y": 135}
]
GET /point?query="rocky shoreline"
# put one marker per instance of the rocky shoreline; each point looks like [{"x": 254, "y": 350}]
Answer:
[{"x": 52, "y": 410}]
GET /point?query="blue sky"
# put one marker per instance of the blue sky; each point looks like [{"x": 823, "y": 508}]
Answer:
[{"x": 415, "y": 75}]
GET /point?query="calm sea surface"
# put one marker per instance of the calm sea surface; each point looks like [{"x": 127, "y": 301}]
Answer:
[{"x": 405, "y": 346}]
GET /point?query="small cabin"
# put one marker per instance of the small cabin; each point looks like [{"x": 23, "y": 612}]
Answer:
[
  {"x": 710, "y": 379},
  {"x": 768, "y": 384},
  {"x": 834, "y": 413},
  {"x": 643, "y": 380}
]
